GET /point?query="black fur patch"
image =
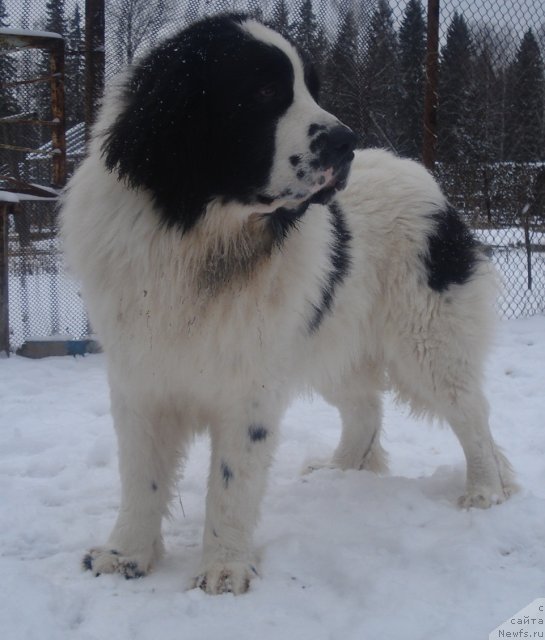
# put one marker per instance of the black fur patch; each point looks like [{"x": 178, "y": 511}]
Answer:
[
  {"x": 340, "y": 266},
  {"x": 283, "y": 220},
  {"x": 87, "y": 562},
  {"x": 452, "y": 252},
  {"x": 318, "y": 143},
  {"x": 132, "y": 571},
  {"x": 257, "y": 432},
  {"x": 196, "y": 123},
  {"x": 314, "y": 128}
]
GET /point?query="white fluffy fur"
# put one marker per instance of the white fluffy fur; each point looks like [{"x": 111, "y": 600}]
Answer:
[{"x": 188, "y": 349}]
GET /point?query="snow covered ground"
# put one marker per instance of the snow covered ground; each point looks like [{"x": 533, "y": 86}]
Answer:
[{"x": 343, "y": 555}]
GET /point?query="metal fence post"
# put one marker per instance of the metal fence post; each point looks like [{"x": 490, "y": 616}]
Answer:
[
  {"x": 94, "y": 59},
  {"x": 58, "y": 136},
  {"x": 4, "y": 278}
]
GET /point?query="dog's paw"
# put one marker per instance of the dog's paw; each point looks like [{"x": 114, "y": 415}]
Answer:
[
  {"x": 375, "y": 460},
  {"x": 478, "y": 500},
  {"x": 226, "y": 577},
  {"x": 105, "y": 560},
  {"x": 482, "y": 499},
  {"x": 317, "y": 464}
]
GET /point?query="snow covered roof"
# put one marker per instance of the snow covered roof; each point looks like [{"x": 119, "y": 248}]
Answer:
[
  {"x": 29, "y": 32},
  {"x": 75, "y": 145},
  {"x": 34, "y": 192},
  {"x": 15, "y": 38},
  {"x": 7, "y": 196}
]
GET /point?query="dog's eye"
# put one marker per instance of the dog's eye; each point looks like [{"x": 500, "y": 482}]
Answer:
[{"x": 267, "y": 92}]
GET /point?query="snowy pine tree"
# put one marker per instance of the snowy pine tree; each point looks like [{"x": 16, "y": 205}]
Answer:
[
  {"x": 412, "y": 53},
  {"x": 309, "y": 36},
  {"x": 486, "y": 117},
  {"x": 455, "y": 87},
  {"x": 525, "y": 126},
  {"x": 342, "y": 78},
  {"x": 280, "y": 19},
  {"x": 133, "y": 25},
  {"x": 382, "y": 80}
]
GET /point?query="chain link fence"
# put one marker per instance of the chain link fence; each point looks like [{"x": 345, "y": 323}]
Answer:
[
  {"x": 40, "y": 102},
  {"x": 489, "y": 140}
]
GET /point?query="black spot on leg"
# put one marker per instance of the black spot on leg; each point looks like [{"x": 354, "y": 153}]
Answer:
[
  {"x": 257, "y": 432},
  {"x": 87, "y": 562},
  {"x": 154, "y": 486},
  {"x": 226, "y": 473},
  {"x": 132, "y": 571},
  {"x": 295, "y": 160},
  {"x": 301, "y": 174}
]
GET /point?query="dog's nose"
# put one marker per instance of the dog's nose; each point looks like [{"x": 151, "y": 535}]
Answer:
[{"x": 338, "y": 145}]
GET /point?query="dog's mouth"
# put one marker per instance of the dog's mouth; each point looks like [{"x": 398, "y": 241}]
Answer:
[
  {"x": 333, "y": 180},
  {"x": 324, "y": 185}
]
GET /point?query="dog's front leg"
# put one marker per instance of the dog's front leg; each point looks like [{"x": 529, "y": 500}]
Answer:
[{"x": 242, "y": 450}]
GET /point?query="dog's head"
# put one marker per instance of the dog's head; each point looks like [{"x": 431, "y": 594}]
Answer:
[{"x": 225, "y": 110}]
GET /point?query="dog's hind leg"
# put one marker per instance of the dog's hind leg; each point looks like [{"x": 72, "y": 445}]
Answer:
[
  {"x": 358, "y": 397},
  {"x": 440, "y": 375},
  {"x": 490, "y": 478},
  {"x": 149, "y": 441}
]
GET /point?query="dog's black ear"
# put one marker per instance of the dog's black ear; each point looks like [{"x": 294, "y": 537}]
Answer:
[{"x": 161, "y": 138}]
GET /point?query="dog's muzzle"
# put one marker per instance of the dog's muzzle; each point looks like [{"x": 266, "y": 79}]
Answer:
[
  {"x": 334, "y": 148},
  {"x": 320, "y": 172},
  {"x": 334, "y": 152}
]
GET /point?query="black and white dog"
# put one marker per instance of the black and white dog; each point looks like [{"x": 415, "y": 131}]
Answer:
[{"x": 229, "y": 262}]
